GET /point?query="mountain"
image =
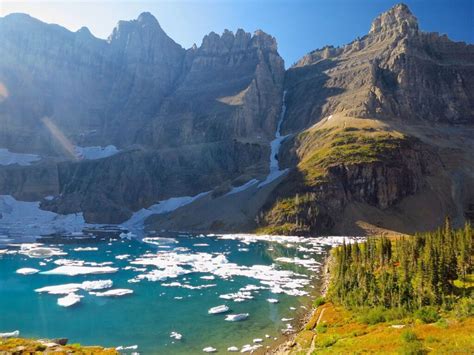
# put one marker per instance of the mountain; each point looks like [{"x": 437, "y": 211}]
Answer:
[
  {"x": 184, "y": 120},
  {"x": 378, "y": 133}
]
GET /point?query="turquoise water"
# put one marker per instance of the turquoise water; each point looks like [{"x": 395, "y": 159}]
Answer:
[{"x": 148, "y": 316}]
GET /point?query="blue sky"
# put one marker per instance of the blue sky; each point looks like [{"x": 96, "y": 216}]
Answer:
[{"x": 299, "y": 25}]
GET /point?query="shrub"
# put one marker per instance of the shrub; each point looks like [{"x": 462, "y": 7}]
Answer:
[
  {"x": 322, "y": 328},
  {"x": 427, "y": 315},
  {"x": 327, "y": 342},
  {"x": 442, "y": 323},
  {"x": 319, "y": 302},
  {"x": 373, "y": 316},
  {"x": 413, "y": 348},
  {"x": 409, "y": 336},
  {"x": 464, "y": 307}
]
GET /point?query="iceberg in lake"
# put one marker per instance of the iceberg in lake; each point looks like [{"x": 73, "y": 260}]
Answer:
[
  {"x": 236, "y": 317},
  {"x": 13, "y": 334},
  {"x": 219, "y": 309},
  {"x": 69, "y": 300},
  {"x": 27, "y": 271}
]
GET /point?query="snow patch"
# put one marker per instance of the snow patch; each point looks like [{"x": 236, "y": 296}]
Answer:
[
  {"x": 97, "y": 152},
  {"x": 138, "y": 218},
  {"x": 26, "y": 219},
  {"x": 10, "y": 158}
]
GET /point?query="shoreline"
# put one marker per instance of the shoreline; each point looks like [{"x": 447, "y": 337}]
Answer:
[{"x": 285, "y": 342}]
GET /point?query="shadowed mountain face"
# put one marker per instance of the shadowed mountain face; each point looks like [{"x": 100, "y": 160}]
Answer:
[
  {"x": 211, "y": 107},
  {"x": 380, "y": 130}
]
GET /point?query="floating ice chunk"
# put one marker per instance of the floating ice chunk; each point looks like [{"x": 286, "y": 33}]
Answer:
[
  {"x": 292, "y": 308},
  {"x": 96, "y": 285},
  {"x": 80, "y": 270},
  {"x": 60, "y": 289},
  {"x": 86, "y": 249},
  {"x": 232, "y": 349},
  {"x": 272, "y": 300},
  {"x": 257, "y": 340},
  {"x": 10, "y": 158},
  {"x": 209, "y": 349},
  {"x": 218, "y": 309},
  {"x": 128, "y": 235},
  {"x": 13, "y": 334},
  {"x": 176, "y": 335},
  {"x": 27, "y": 271},
  {"x": 236, "y": 317},
  {"x": 208, "y": 277},
  {"x": 69, "y": 300},
  {"x": 286, "y": 319},
  {"x": 37, "y": 250},
  {"x": 201, "y": 245},
  {"x": 113, "y": 293},
  {"x": 131, "y": 347},
  {"x": 247, "y": 348},
  {"x": 122, "y": 257},
  {"x": 74, "y": 287}
]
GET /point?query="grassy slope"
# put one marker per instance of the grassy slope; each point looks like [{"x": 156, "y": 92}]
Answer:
[
  {"x": 27, "y": 346},
  {"x": 340, "y": 140},
  {"x": 340, "y": 331}
]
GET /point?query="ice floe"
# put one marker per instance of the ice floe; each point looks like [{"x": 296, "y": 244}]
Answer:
[
  {"x": 74, "y": 287},
  {"x": 247, "y": 348},
  {"x": 13, "y": 334},
  {"x": 71, "y": 270},
  {"x": 131, "y": 347},
  {"x": 176, "y": 335},
  {"x": 236, "y": 317},
  {"x": 272, "y": 300},
  {"x": 86, "y": 249},
  {"x": 232, "y": 349},
  {"x": 117, "y": 292},
  {"x": 69, "y": 300},
  {"x": 27, "y": 271},
  {"x": 209, "y": 349},
  {"x": 218, "y": 309},
  {"x": 38, "y": 250},
  {"x": 10, "y": 158}
]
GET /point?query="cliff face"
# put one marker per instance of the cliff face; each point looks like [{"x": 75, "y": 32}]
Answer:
[
  {"x": 232, "y": 87},
  {"x": 370, "y": 123},
  {"x": 205, "y": 114},
  {"x": 396, "y": 71}
]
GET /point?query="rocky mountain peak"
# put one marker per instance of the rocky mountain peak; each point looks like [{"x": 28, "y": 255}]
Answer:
[
  {"x": 146, "y": 18},
  {"x": 398, "y": 18},
  {"x": 264, "y": 40}
]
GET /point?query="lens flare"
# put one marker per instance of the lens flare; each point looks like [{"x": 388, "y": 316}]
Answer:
[
  {"x": 60, "y": 137},
  {"x": 3, "y": 92}
]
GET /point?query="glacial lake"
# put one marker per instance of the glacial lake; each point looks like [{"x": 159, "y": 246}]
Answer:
[{"x": 171, "y": 283}]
